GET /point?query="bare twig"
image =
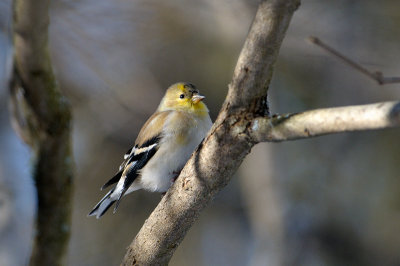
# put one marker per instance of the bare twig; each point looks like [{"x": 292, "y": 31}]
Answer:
[
  {"x": 42, "y": 116},
  {"x": 326, "y": 121},
  {"x": 377, "y": 76}
]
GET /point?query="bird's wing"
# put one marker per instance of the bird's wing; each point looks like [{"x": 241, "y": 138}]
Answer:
[
  {"x": 136, "y": 161},
  {"x": 136, "y": 158},
  {"x": 118, "y": 175},
  {"x": 150, "y": 132}
]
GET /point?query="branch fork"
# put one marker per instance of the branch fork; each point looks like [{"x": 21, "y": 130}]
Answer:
[{"x": 242, "y": 122}]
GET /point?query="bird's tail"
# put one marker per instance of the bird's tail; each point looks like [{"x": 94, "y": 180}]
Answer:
[{"x": 104, "y": 204}]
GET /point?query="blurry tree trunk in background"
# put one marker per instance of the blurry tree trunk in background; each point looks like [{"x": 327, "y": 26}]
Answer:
[
  {"x": 243, "y": 122},
  {"x": 42, "y": 118},
  {"x": 264, "y": 206}
]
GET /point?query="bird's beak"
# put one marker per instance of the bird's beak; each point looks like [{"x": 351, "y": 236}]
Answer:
[{"x": 197, "y": 98}]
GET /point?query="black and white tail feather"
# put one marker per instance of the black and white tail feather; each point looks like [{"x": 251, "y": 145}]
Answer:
[{"x": 134, "y": 160}]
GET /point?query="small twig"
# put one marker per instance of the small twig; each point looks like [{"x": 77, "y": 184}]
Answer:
[{"x": 377, "y": 75}]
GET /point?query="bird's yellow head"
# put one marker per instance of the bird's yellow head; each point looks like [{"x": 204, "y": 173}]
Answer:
[{"x": 183, "y": 96}]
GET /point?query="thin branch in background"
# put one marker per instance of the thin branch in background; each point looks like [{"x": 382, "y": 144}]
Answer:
[{"x": 377, "y": 75}]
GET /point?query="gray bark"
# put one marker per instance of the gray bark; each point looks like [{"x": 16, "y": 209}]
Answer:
[
  {"x": 42, "y": 118},
  {"x": 218, "y": 157},
  {"x": 326, "y": 121},
  {"x": 242, "y": 122}
]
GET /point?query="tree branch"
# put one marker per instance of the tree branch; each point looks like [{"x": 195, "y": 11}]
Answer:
[
  {"x": 377, "y": 75},
  {"x": 42, "y": 117},
  {"x": 326, "y": 121},
  {"x": 241, "y": 123},
  {"x": 217, "y": 158}
]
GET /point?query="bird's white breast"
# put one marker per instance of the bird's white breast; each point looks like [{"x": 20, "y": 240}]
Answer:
[{"x": 180, "y": 137}]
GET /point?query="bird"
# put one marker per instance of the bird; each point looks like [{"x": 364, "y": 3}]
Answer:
[{"x": 162, "y": 147}]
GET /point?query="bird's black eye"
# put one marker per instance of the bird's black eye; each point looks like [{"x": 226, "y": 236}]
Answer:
[{"x": 182, "y": 96}]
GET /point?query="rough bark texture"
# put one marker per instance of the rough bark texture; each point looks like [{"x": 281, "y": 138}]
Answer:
[
  {"x": 214, "y": 162},
  {"x": 242, "y": 122},
  {"x": 42, "y": 117}
]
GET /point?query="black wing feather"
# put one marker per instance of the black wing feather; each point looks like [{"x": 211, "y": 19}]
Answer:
[
  {"x": 149, "y": 142},
  {"x": 100, "y": 202},
  {"x": 133, "y": 171},
  {"x": 113, "y": 180},
  {"x": 134, "y": 160},
  {"x": 129, "y": 158}
]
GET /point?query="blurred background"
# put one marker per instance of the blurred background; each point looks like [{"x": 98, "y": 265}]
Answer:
[{"x": 332, "y": 200}]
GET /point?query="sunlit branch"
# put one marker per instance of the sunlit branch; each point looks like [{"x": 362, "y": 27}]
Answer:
[{"x": 326, "y": 121}]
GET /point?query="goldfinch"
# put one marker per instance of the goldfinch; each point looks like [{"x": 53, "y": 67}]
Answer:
[{"x": 163, "y": 146}]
